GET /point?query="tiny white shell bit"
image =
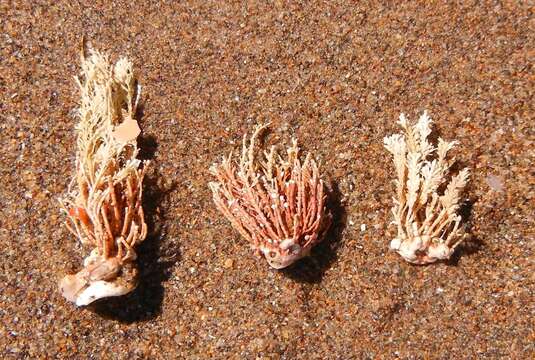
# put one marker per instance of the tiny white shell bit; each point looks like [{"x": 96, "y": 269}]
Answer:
[
  {"x": 426, "y": 217},
  {"x": 277, "y": 204},
  {"x": 105, "y": 209}
]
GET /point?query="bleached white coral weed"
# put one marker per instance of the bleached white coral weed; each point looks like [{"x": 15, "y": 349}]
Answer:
[
  {"x": 104, "y": 208},
  {"x": 277, "y": 204},
  {"x": 425, "y": 208}
]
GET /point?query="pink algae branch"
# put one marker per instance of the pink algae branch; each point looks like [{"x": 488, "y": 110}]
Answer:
[{"x": 276, "y": 203}]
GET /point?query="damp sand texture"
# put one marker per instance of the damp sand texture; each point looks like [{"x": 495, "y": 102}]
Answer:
[{"x": 335, "y": 76}]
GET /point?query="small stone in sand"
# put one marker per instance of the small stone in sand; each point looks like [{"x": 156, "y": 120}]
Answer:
[{"x": 495, "y": 183}]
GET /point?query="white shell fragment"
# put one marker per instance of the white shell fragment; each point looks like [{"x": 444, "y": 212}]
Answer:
[
  {"x": 99, "y": 290},
  {"x": 81, "y": 292}
]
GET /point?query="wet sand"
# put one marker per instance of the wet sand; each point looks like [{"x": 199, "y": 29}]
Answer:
[{"x": 336, "y": 77}]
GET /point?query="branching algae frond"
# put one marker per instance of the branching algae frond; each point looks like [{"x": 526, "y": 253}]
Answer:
[
  {"x": 276, "y": 203},
  {"x": 425, "y": 208},
  {"x": 104, "y": 203}
]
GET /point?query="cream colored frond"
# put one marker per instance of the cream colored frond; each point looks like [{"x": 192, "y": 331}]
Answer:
[
  {"x": 427, "y": 223},
  {"x": 105, "y": 208}
]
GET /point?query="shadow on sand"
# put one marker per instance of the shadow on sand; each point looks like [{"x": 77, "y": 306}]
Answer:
[
  {"x": 310, "y": 270},
  {"x": 471, "y": 244}
]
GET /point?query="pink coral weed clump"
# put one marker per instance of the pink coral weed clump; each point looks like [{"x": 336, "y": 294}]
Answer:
[{"x": 276, "y": 203}]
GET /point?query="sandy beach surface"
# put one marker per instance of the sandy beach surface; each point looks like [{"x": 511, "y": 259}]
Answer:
[{"x": 336, "y": 75}]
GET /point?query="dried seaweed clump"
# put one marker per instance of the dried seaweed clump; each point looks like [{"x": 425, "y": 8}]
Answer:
[
  {"x": 104, "y": 203},
  {"x": 425, "y": 210},
  {"x": 277, "y": 204}
]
